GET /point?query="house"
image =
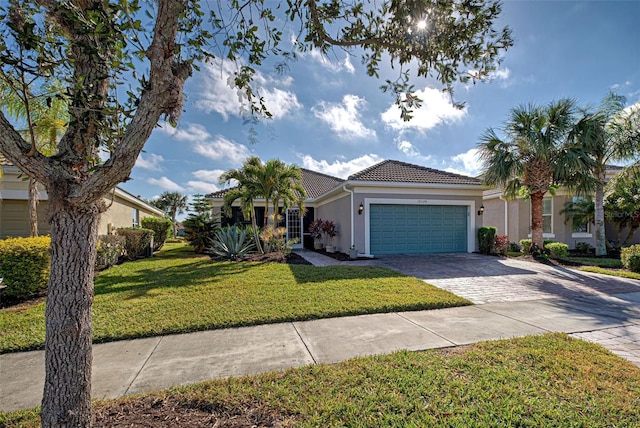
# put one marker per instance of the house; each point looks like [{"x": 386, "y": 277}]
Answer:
[
  {"x": 389, "y": 208},
  {"x": 126, "y": 210},
  {"x": 512, "y": 217}
]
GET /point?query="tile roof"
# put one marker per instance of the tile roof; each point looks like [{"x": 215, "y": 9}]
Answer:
[
  {"x": 315, "y": 183},
  {"x": 401, "y": 172}
]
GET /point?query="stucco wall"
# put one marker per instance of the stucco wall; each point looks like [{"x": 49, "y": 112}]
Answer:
[
  {"x": 14, "y": 218},
  {"x": 338, "y": 210},
  {"x": 120, "y": 214}
]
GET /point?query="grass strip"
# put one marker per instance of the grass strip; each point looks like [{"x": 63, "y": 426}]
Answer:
[
  {"x": 621, "y": 273},
  {"x": 177, "y": 291},
  {"x": 547, "y": 380}
]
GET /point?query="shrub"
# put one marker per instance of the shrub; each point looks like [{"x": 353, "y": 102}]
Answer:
[
  {"x": 514, "y": 247},
  {"x": 557, "y": 249},
  {"x": 231, "y": 243},
  {"x": 501, "y": 244},
  {"x": 526, "y": 246},
  {"x": 24, "y": 265},
  {"x": 486, "y": 239},
  {"x": 161, "y": 228},
  {"x": 630, "y": 258},
  {"x": 584, "y": 247},
  {"x": 137, "y": 241},
  {"x": 110, "y": 249}
]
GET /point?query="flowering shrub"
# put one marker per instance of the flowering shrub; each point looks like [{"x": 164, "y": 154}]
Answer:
[
  {"x": 330, "y": 230},
  {"x": 110, "y": 249},
  {"x": 502, "y": 244}
]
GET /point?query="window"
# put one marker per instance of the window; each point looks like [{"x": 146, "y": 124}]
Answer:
[
  {"x": 547, "y": 215},
  {"x": 136, "y": 217},
  {"x": 580, "y": 230}
]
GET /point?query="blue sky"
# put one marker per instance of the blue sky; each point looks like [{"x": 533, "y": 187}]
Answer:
[{"x": 329, "y": 116}]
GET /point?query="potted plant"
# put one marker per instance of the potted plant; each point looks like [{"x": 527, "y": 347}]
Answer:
[
  {"x": 330, "y": 230},
  {"x": 353, "y": 252},
  {"x": 315, "y": 230}
]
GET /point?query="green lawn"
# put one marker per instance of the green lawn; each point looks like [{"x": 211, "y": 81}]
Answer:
[
  {"x": 177, "y": 291},
  {"x": 598, "y": 261},
  {"x": 613, "y": 272},
  {"x": 537, "y": 381}
]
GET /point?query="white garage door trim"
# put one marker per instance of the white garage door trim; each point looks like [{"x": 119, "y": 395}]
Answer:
[{"x": 471, "y": 218}]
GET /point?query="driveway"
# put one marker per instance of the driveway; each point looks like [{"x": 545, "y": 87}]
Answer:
[{"x": 488, "y": 279}]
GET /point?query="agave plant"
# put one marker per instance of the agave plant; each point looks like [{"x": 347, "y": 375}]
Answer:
[{"x": 231, "y": 243}]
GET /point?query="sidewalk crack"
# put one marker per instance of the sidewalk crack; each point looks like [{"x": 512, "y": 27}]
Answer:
[
  {"x": 143, "y": 366},
  {"x": 304, "y": 343}
]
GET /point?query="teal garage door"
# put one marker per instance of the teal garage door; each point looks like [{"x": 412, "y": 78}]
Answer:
[{"x": 418, "y": 229}]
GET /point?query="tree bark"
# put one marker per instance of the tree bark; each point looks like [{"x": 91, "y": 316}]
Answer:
[
  {"x": 537, "y": 238},
  {"x": 598, "y": 217},
  {"x": 66, "y": 400},
  {"x": 33, "y": 206}
]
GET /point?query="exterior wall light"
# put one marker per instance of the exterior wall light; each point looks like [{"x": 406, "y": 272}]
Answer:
[
  {"x": 481, "y": 210},
  {"x": 360, "y": 209}
]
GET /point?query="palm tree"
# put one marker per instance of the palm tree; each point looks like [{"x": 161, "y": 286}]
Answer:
[
  {"x": 275, "y": 181},
  {"x": 611, "y": 133},
  {"x": 623, "y": 204},
  {"x": 247, "y": 193},
  {"x": 45, "y": 116},
  {"x": 172, "y": 203},
  {"x": 534, "y": 157}
]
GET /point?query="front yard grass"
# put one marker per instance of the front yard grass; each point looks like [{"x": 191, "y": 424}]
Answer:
[
  {"x": 623, "y": 273},
  {"x": 597, "y": 261},
  {"x": 550, "y": 380},
  {"x": 177, "y": 291}
]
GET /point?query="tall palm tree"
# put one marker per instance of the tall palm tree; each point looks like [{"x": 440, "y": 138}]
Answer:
[
  {"x": 172, "y": 203},
  {"x": 534, "y": 156},
  {"x": 287, "y": 188},
  {"x": 610, "y": 134}
]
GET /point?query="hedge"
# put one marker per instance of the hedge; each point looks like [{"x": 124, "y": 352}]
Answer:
[
  {"x": 486, "y": 239},
  {"x": 630, "y": 258},
  {"x": 557, "y": 249},
  {"x": 137, "y": 241},
  {"x": 24, "y": 265},
  {"x": 161, "y": 228}
]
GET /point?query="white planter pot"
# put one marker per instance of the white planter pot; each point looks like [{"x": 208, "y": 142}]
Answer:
[
  {"x": 317, "y": 245},
  {"x": 353, "y": 254},
  {"x": 330, "y": 249}
]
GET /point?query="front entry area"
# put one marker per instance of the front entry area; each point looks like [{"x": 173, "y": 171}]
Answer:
[{"x": 418, "y": 229}]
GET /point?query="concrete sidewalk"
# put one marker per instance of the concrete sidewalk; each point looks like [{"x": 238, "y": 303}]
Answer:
[{"x": 136, "y": 366}]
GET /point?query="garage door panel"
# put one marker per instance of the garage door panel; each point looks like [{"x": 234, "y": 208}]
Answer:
[{"x": 417, "y": 229}]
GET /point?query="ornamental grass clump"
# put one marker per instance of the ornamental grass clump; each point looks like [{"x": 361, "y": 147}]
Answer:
[{"x": 24, "y": 266}]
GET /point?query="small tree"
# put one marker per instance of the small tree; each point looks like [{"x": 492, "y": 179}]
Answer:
[
  {"x": 172, "y": 203},
  {"x": 201, "y": 225}
]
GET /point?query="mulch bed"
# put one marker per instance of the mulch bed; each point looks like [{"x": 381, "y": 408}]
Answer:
[
  {"x": 158, "y": 412},
  {"x": 291, "y": 259}
]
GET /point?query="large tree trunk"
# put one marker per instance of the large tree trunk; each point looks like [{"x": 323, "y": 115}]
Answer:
[
  {"x": 537, "y": 239},
  {"x": 601, "y": 240},
  {"x": 67, "y": 391},
  {"x": 33, "y": 206}
]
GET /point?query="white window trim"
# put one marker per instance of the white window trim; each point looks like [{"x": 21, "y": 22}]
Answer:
[
  {"x": 471, "y": 218},
  {"x": 544, "y": 234},
  {"x": 581, "y": 235}
]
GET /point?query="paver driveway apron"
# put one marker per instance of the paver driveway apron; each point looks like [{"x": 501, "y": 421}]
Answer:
[{"x": 489, "y": 279}]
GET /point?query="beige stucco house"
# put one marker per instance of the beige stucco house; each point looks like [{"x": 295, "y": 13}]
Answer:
[
  {"x": 126, "y": 210},
  {"x": 512, "y": 217},
  {"x": 389, "y": 208}
]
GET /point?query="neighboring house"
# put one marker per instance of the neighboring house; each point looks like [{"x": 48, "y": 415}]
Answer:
[
  {"x": 125, "y": 209},
  {"x": 389, "y": 208},
  {"x": 512, "y": 217}
]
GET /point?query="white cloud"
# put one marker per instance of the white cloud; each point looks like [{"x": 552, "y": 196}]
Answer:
[
  {"x": 500, "y": 74},
  {"x": 165, "y": 183},
  {"x": 150, "y": 162},
  {"x": 467, "y": 163},
  {"x": 202, "y": 187},
  {"x": 344, "y": 118},
  {"x": 436, "y": 109},
  {"x": 222, "y": 148},
  {"x": 209, "y": 175},
  {"x": 215, "y": 93},
  {"x": 203, "y": 143},
  {"x": 341, "y": 169},
  {"x": 410, "y": 150}
]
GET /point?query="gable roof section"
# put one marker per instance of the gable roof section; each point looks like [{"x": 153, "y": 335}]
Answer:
[
  {"x": 314, "y": 183},
  {"x": 401, "y": 172}
]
